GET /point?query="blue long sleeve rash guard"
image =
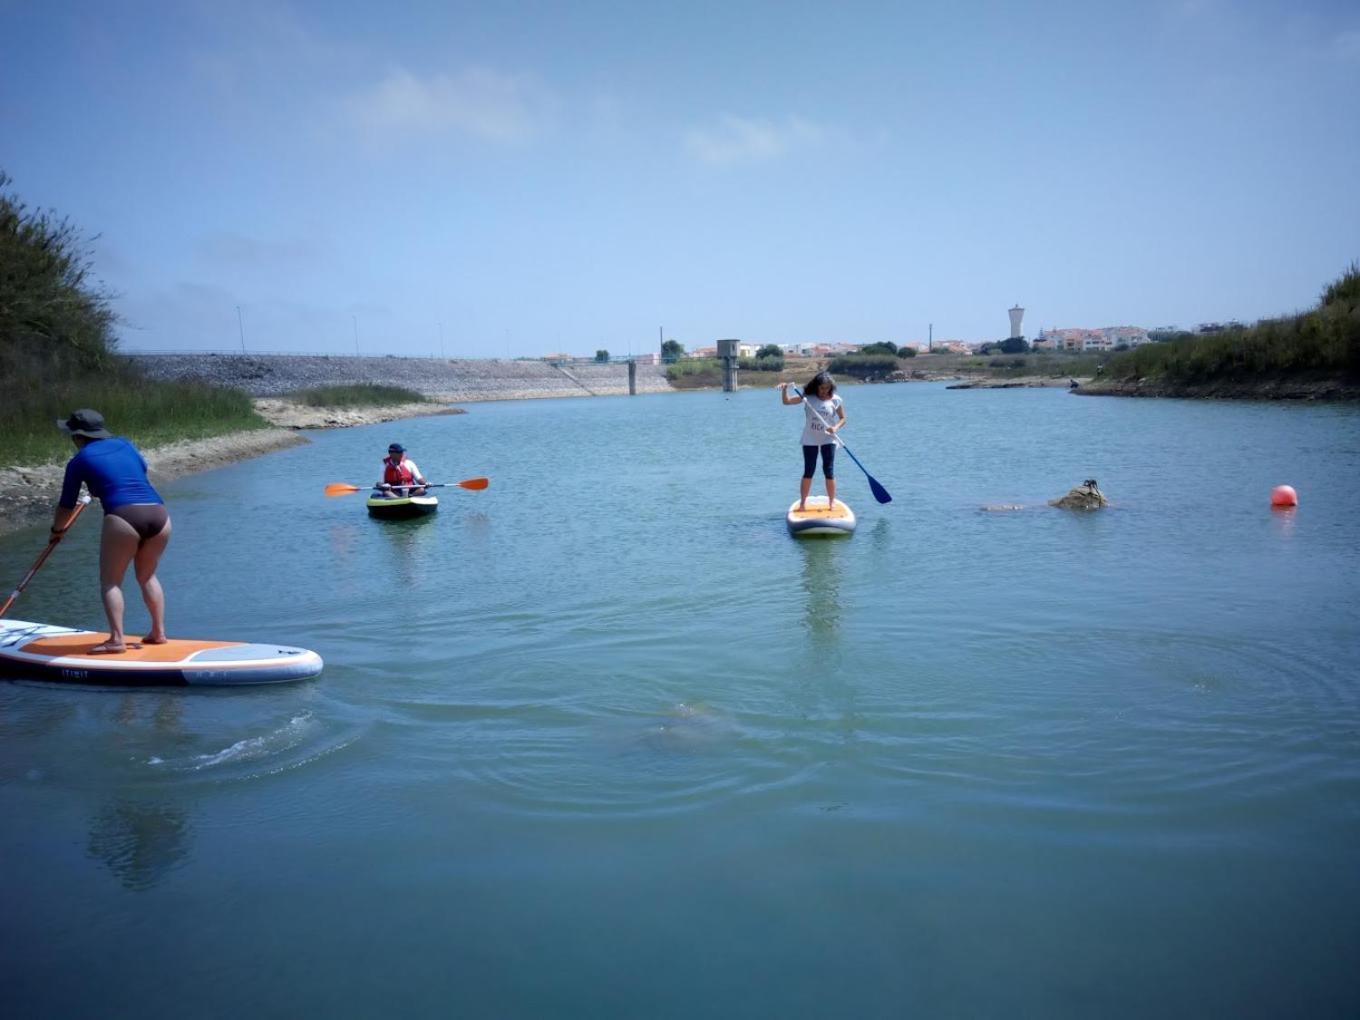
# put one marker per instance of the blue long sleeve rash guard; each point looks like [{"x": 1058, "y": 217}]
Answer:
[{"x": 113, "y": 470}]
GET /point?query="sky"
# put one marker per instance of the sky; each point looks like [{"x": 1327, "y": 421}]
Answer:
[{"x": 515, "y": 179}]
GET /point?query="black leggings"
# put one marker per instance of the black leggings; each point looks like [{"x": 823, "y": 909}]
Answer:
[{"x": 828, "y": 460}]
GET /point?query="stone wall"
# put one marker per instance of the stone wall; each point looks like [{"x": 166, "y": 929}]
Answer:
[{"x": 454, "y": 381}]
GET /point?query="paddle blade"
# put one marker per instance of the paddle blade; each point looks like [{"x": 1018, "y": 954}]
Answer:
[
  {"x": 473, "y": 483},
  {"x": 881, "y": 494},
  {"x": 341, "y": 489}
]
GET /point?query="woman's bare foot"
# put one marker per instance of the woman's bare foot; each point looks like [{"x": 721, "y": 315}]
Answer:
[
  {"x": 111, "y": 648},
  {"x": 155, "y": 639}
]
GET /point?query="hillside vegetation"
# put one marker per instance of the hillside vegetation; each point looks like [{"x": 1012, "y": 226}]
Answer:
[
  {"x": 58, "y": 351},
  {"x": 1323, "y": 343}
]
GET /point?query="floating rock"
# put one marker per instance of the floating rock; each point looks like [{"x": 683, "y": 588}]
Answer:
[{"x": 1086, "y": 496}]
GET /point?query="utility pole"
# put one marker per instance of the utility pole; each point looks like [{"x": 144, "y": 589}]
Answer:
[
  {"x": 242, "y": 325},
  {"x": 930, "y": 344}
]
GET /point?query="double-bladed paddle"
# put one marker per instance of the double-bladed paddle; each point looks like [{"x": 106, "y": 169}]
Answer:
[
  {"x": 345, "y": 489},
  {"x": 881, "y": 494}
]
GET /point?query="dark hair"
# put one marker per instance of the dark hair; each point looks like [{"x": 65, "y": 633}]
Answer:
[{"x": 815, "y": 384}]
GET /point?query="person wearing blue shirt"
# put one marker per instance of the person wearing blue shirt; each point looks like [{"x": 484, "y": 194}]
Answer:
[{"x": 136, "y": 523}]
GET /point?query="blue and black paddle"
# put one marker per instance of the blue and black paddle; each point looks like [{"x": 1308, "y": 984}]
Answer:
[{"x": 881, "y": 494}]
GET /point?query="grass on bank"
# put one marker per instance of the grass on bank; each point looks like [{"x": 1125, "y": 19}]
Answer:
[
  {"x": 357, "y": 395},
  {"x": 58, "y": 351},
  {"x": 148, "y": 413},
  {"x": 1323, "y": 343}
]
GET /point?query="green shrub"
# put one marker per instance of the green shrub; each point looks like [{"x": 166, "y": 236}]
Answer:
[
  {"x": 53, "y": 320},
  {"x": 357, "y": 395},
  {"x": 864, "y": 366},
  {"x": 58, "y": 351},
  {"x": 768, "y": 363},
  {"x": 693, "y": 366},
  {"x": 1324, "y": 342}
]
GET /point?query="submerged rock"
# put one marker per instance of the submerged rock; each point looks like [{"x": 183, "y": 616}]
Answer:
[{"x": 1086, "y": 496}]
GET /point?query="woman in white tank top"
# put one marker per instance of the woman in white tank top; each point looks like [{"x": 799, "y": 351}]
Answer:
[{"x": 823, "y": 417}]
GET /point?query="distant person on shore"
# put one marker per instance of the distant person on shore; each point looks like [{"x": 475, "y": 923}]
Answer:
[
  {"x": 136, "y": 523},
  {"x": 401, "y": 477},
  {"x": 823, "y": 417}
]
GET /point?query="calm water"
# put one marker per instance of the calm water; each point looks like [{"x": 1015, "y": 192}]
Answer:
[{"x": 603, "y": 740}]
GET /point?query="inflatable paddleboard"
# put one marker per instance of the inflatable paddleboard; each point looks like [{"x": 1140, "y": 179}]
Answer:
[
  {"x": 401, "y": 507},
  {"x": 37, "y": 651},
  {"x": 820, "y": 519}
]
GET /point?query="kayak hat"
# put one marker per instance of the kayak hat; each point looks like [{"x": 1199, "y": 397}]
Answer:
[
  {"x": 85, "y": 422},
  {"x": 396, "y": 448}
]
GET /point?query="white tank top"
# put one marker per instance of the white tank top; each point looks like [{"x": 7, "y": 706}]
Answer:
[{"x": 814, "y": 429}]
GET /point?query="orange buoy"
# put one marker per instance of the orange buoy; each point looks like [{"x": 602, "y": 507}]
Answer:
[{"x": 1284, "y": 496}]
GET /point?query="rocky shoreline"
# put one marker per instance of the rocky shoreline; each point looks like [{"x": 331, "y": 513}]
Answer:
[
  {"x": 29, "y": 494},
  {"x": 448, "y": 380},
  {"x": 1266, "y": 389},
  {"x": 1020, "y": 382}
]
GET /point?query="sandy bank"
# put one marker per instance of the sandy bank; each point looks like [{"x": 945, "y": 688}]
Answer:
[
  {"x": 28, "y": 494},
  {"x": 290, "y": 415}
]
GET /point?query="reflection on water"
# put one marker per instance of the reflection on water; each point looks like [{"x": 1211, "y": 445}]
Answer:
[
  {"x": 821, "y": 584},
  {"x": 1283, "y": 519},
  {"x": 167, "y": 711},
  {"x": 406, "y": 544},
  {"x": 140, "y": 840}
]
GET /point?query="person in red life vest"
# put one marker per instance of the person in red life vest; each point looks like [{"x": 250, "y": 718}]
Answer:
[{"x": 401, "y": 477}]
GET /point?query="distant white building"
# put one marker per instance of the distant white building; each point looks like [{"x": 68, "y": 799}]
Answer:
[{"x": 1106, "y": 338}]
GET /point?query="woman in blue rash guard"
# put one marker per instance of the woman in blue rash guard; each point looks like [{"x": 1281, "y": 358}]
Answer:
[{"x": 136, "y": 524}]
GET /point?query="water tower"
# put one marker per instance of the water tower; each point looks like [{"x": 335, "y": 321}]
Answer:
[
  {"x": 727, "y": 354},
  {"x": 1017, "y": 313}
]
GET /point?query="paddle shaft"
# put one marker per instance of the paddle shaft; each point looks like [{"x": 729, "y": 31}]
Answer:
[
  {"x": 42, "y": 557},
  {"x": 880, "y": 493}
]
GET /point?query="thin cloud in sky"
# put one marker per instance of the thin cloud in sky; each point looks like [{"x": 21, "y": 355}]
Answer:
[
  {"x": 1347, "y": 45},
  {"x": 742, "y": 140},
  {"x": 239, "y": 250},
  {"x": 484, "y": 103}
]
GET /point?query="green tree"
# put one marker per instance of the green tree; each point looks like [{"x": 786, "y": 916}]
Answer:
[
  {"x": 882, "y": 347},
  {"x": 602, "y": 355},
  {"x": 770, "y": 351},
  {"x": 672, "y": 350}
]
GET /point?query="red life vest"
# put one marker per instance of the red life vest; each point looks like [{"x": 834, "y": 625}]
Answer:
[{"x": 398, "y": 473}]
